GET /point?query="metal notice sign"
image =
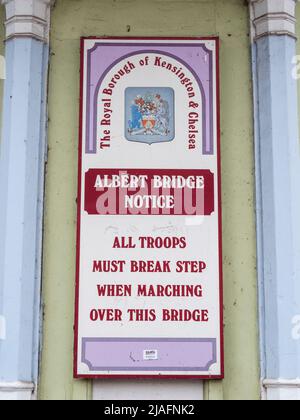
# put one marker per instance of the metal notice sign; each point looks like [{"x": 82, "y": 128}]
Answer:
[{"x": 149, "y": 260}]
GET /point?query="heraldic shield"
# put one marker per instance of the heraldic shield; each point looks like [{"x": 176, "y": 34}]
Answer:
[{"x": 149, "y": 114}]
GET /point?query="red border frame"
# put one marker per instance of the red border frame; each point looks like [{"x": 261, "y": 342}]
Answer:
[{"x": 158, "y": 376}]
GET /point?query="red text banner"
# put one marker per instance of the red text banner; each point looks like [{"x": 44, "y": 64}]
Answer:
[{"x": 149, "y": 192}]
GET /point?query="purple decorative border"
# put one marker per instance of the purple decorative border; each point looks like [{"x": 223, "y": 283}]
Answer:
[
  {"x": 91, "y": 99},
  {"x": 199, "y": 354}
]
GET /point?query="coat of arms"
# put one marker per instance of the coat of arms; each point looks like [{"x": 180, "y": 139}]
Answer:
[{"x": 150, "y": 115}]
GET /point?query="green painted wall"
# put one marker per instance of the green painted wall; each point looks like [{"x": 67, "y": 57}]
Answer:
[{"x": 72, "y": 19}]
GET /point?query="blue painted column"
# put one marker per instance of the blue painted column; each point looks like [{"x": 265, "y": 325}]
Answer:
[
  {"x": 277, "y": 195},
  {"x": 22, "y": 162}
]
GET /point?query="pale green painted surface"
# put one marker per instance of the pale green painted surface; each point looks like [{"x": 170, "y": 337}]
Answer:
[{"x": 228, "y": 19}]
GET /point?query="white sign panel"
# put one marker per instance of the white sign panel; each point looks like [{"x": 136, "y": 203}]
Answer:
[{"x": 149, "y": 262}]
